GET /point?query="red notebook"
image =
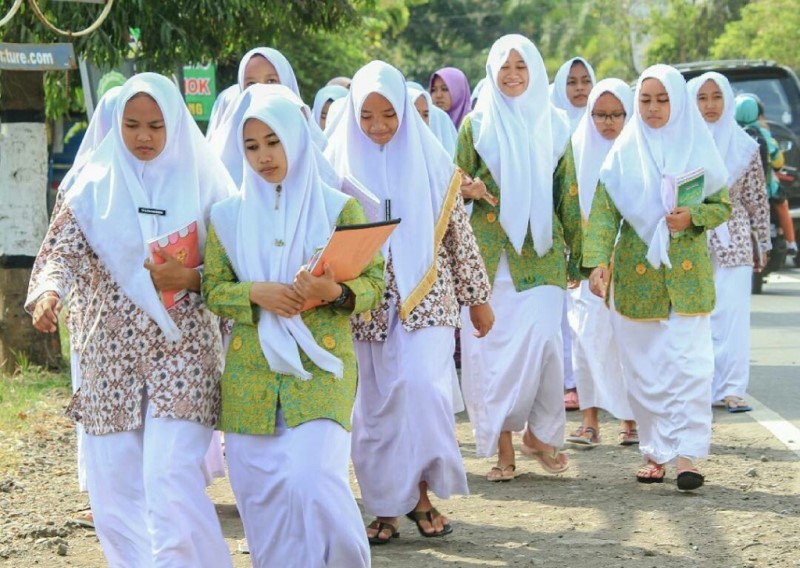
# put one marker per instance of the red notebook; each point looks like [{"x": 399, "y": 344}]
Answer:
[
  {"x": 183, "y": 245},
  {"x": 349, "y": 250}
]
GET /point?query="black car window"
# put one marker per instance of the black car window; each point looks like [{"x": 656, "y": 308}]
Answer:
[{"x": 773, "y": 94}]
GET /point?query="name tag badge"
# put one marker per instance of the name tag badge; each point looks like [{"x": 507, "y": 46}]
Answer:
[{"x": 151, "y": 211}]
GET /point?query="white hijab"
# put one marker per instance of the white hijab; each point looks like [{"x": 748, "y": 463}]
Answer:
[
  {"x": 225, "y": 142},
  {"x": 250, "y": 228},
  {"x": 558, "y": 91},
  {"x": 634, "y": 172},
  {"x": 589, "y": 146},
  {"x": 521, "y": 140},
  {"x": 325, "y": 94},
  {"x": 184, "y": 180},
  {"x": 221, "y": 109},
  {"x": 734, "y": 144},
  {"x": 282, "y": 66},
  {"x": 99, "y": 126},
  {"x": 439, "y": 121},
  {"x": 412, "y": 170}
]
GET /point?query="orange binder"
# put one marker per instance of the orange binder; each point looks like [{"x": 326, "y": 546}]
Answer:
[
  {"x": 181, "y": 244},
  {"x": 349, "y": 250}
]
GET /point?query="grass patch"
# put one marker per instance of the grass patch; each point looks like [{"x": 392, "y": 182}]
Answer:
[{"x": 25, "y": 393}]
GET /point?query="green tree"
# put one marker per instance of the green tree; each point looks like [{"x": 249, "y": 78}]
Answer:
[
  {"x": 686, "y": 30},
  {"x": 767, "y": 29}
]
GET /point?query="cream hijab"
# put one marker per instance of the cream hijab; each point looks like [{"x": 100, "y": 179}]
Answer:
[
  {"x": 589, "y": 146},
  {"x": 412, "y": 171},
  {"x": 635, "y": 171},
  {"x": 558, "y": 92},
  {"x": 266, "y": 244},
  {"x": 184, "y": 180},
  {"x": 521, "y": 140}
]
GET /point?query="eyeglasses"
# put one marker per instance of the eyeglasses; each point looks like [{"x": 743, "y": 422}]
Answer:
[{"x": 602, "y": 116}]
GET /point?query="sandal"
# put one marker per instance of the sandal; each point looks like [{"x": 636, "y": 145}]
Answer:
[
  {"x": 540, "y": 455},
  {"x": 498, "y": 472},
  {"x": 83, "y": 519},
  {"x": 628, "y": 437},
  {"x": 584, "y": 436},
  {"x": 381, "y": 526},
  {"x": 651, "y": 473},
  {"x": 734, "y": 404},
  {"x": 429, "y": 515},
  {"x": 689, "y": 479}
]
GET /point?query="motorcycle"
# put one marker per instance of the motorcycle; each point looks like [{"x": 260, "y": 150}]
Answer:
[{"x": 775, "y": 257}]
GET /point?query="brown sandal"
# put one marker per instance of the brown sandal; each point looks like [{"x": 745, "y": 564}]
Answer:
[
  {"x": 502, "y": 472},
  {"x": 381, "y": 526}
]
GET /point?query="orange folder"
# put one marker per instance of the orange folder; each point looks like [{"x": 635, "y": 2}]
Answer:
[{"x": 349, "y": 250}]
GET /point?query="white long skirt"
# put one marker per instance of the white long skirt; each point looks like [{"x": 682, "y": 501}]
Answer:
[
  {"x": 730, "y": 331},
  {"x": 514, "y": 376},
  {"x": 403, "y": 424},
  {"x": 669, "y": 365},
  {"x": 570, "y": 381},
  {"x": 293, "y": 493},
  {"x": 147, "y": 493},
  {"x": 598, "y": 372}
]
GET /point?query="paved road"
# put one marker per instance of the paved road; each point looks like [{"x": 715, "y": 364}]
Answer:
[{"x": 775, "y": 351}]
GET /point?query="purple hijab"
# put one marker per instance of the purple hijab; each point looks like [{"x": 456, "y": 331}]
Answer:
[{"x": 458, "y": 85}]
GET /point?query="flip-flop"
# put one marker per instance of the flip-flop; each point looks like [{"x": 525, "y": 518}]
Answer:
[
  {"x": 651, "y": 468},
  {"x": 579, "y": 436},
  {"x": 380, "y": 526},
  {"x": 539, "y": 456},
  {"x": 571, "y": 401},
  {"x": 429, "y": 515},
  {"x": 689, "y": 479},
  {"x": 628, "y": 437},
  {"x": 735, "y": 404},
  {"x": 502, "y": 475}
]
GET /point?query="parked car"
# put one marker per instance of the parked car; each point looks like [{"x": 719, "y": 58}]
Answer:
[{"x": 779, "y": 90}]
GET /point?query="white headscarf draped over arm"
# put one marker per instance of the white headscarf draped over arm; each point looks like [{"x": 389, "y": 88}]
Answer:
[
  {"x": 282, "y": 66},
  {"x": 734, "y": 144},
  {"x": 589, "y": 146},
  {"x": 412, "y": 170},
  {"x": 641, "y": 157},
  {"x": 558, "y": 91},
  {"x": 266, "y": 244},
  {"x": 184, "y": 181},
  {"x": 521, "y": 140}
]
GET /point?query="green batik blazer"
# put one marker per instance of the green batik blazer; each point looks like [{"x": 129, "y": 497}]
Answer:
[
  {"x": 250, "y": 390},
  {"x": 528, "y": 270},
  {"x": 642, "y": 292}
]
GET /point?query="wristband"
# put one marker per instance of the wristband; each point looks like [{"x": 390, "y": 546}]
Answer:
[{"x": 342, "y": 298}]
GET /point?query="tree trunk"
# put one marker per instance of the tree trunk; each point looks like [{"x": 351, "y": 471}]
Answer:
[{"x": 23, "y": 215}]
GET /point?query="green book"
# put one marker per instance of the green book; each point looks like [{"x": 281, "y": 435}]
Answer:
[{"x": 688, "y": 190}]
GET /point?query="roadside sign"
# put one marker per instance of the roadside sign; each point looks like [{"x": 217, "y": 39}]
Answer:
[
  {"x": 37, "y": 57},
  {"x": 200, "y": 90}
]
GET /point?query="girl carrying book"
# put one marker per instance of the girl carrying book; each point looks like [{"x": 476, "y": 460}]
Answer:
[
  {"x": 732, "y": 243},
  {"x": 290, "y": 377},
  {"x": 149, "y": 396},
  {"x": 403, "y": 427},
  {"x": 529, "y": 214},
  {"x": 598, "y": 373},
  {"x": 658, "y": 277}
]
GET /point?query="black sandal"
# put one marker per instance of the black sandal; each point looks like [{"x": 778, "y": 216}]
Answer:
[
  {"x": 429, "y": 515},
  {"x": 380, "y": 526}
]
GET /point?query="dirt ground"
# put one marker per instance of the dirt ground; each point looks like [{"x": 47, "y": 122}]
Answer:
[{"x": 595, "y": 515}]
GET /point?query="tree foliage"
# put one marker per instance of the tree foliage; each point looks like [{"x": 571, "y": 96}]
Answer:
[{"x": 768, "y": 29}]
